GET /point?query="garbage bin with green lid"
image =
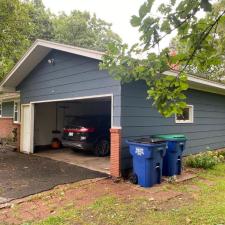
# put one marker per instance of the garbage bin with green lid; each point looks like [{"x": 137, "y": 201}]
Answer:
[
  {"x": 147, "y": 157},
  {"x": 172, "y": 162}
]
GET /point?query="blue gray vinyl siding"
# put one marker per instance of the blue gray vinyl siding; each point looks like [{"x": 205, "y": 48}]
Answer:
[
  {"x": 139, "y": 118},
  {"x": 7, "y": 109},
  {"x": 72, "y": 76}
]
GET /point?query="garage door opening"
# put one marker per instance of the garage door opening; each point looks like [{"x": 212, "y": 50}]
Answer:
[{"x": 82, "y": 128}]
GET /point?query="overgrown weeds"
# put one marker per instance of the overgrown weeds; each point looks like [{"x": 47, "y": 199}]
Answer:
[{"x": 205, "y": 160}]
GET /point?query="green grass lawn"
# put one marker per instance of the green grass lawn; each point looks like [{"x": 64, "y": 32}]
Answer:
[{"x": 204, "y": 204}]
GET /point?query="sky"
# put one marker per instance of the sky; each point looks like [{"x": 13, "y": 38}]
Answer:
[{"x": 117, "y": 12}]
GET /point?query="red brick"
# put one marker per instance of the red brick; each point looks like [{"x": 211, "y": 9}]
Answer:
[
  {"x": 6, "y": 127},
  {"x": 115, "y": 157}
]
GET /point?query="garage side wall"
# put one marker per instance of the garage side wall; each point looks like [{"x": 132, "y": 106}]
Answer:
[
  {"x": 70, "y": 76},
  {"x": 139, "y": 119}
]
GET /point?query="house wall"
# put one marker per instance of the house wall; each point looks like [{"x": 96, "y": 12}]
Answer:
[
  {"x": 7, "y": 125},
  {"x": 6, "y": 121},
  {"x": 6, "y": 130},
  {"x": 139, "y": 118},
  {"x": 71, "y": 76}
]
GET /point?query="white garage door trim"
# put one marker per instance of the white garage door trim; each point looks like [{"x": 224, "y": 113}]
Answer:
[{"x": 27, "y": 128}]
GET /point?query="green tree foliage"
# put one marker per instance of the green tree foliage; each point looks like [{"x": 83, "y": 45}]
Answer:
[
  {"x": 209, "y": 57},
  {"x": 42, "y": 20},
  {"x": 15, "y": 27},
  {"x": 22, "y": 22},
  {"x": 168, "y": 93},
  {"x": 82, "y": 29}
]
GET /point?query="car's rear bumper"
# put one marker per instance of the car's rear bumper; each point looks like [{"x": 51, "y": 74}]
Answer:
[{"x": 77, "y": 144}]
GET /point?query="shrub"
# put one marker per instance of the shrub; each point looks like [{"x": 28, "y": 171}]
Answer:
[
  {"x": 222, "y": 153},
  {"x": 205, "y": 160}
]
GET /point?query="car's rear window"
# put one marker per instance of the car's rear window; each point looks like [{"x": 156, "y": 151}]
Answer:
[
  {"x": 82, "y": 122},
  {"x": 94, "y": 121}
]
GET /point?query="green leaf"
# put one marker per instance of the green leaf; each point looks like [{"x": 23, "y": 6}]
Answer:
[
  {"x": 135, "y": 21},
  {"x": 145, "y": 8},
  {"x": 165, "y": 27}
]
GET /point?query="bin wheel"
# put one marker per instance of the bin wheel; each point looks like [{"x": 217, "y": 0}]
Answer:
[{"x": 133, "y": 178}]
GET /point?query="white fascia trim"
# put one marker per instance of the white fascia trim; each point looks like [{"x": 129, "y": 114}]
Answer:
[
  {"x": 70, "y": 99},
  {"x": 53, "y": 45},
  {"x": 198, "y": 80},
  {"x": 26, "y": 55},
  {"x": 9, "y": 100},
  {"x": 71, "y": 49},
  {"x": 7, "y": 90},
  {"x": 119, "y": 128}
]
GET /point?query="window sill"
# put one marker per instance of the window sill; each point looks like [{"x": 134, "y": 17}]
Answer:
[
  {"x": 17, "y": 123},
  {"x": 183, "y": 122}
]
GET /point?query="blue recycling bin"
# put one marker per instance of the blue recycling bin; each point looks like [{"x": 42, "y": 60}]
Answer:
[
  {"x": 172, "y": 162},
  {"x": 147, "y": 157}
]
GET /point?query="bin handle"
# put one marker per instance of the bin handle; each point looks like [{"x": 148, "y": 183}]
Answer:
[
  {"x": 179, "y": 165},
  {"x": 161, "y": 150},
  {"x": 182, "y": 146},
  {"x": 158, "y": 173}
]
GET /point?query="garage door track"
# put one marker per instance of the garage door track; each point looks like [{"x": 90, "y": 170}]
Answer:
[{"x": 23, "y": 175}]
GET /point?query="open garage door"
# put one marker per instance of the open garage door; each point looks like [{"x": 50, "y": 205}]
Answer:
[{"x": 81, "y": 127}]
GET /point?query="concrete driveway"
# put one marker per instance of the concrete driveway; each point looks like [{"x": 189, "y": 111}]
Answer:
[
  {"x": 79, "y": 158},
  {"x": 23, "y": 175}
]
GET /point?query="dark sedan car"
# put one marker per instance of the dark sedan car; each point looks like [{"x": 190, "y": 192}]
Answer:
[{"x": 89, "y": 133}]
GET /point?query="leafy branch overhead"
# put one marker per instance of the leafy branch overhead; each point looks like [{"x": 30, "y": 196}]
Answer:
[{"x": 196, "y": 47}]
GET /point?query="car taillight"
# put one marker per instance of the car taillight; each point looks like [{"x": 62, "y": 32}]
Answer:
[{"x": 80, "y": 130}]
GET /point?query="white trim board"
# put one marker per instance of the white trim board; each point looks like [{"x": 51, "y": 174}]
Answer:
[
  {"x": 201, "y": 84},
  {"x": 191, "y": 115},
  {"x": 30, "y": 129},
  {"x": 73, "y": 98},
  {"x": 31, "y": 111}
]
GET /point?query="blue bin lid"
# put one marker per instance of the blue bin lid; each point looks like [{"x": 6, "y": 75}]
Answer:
[{"x": 146, "y": 141}]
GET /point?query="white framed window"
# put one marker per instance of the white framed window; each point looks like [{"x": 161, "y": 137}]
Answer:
[
  {"x": 187, "y": 116},
  {"x": 16, "y": 112},
  {"x": 0, "y": 109}
]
